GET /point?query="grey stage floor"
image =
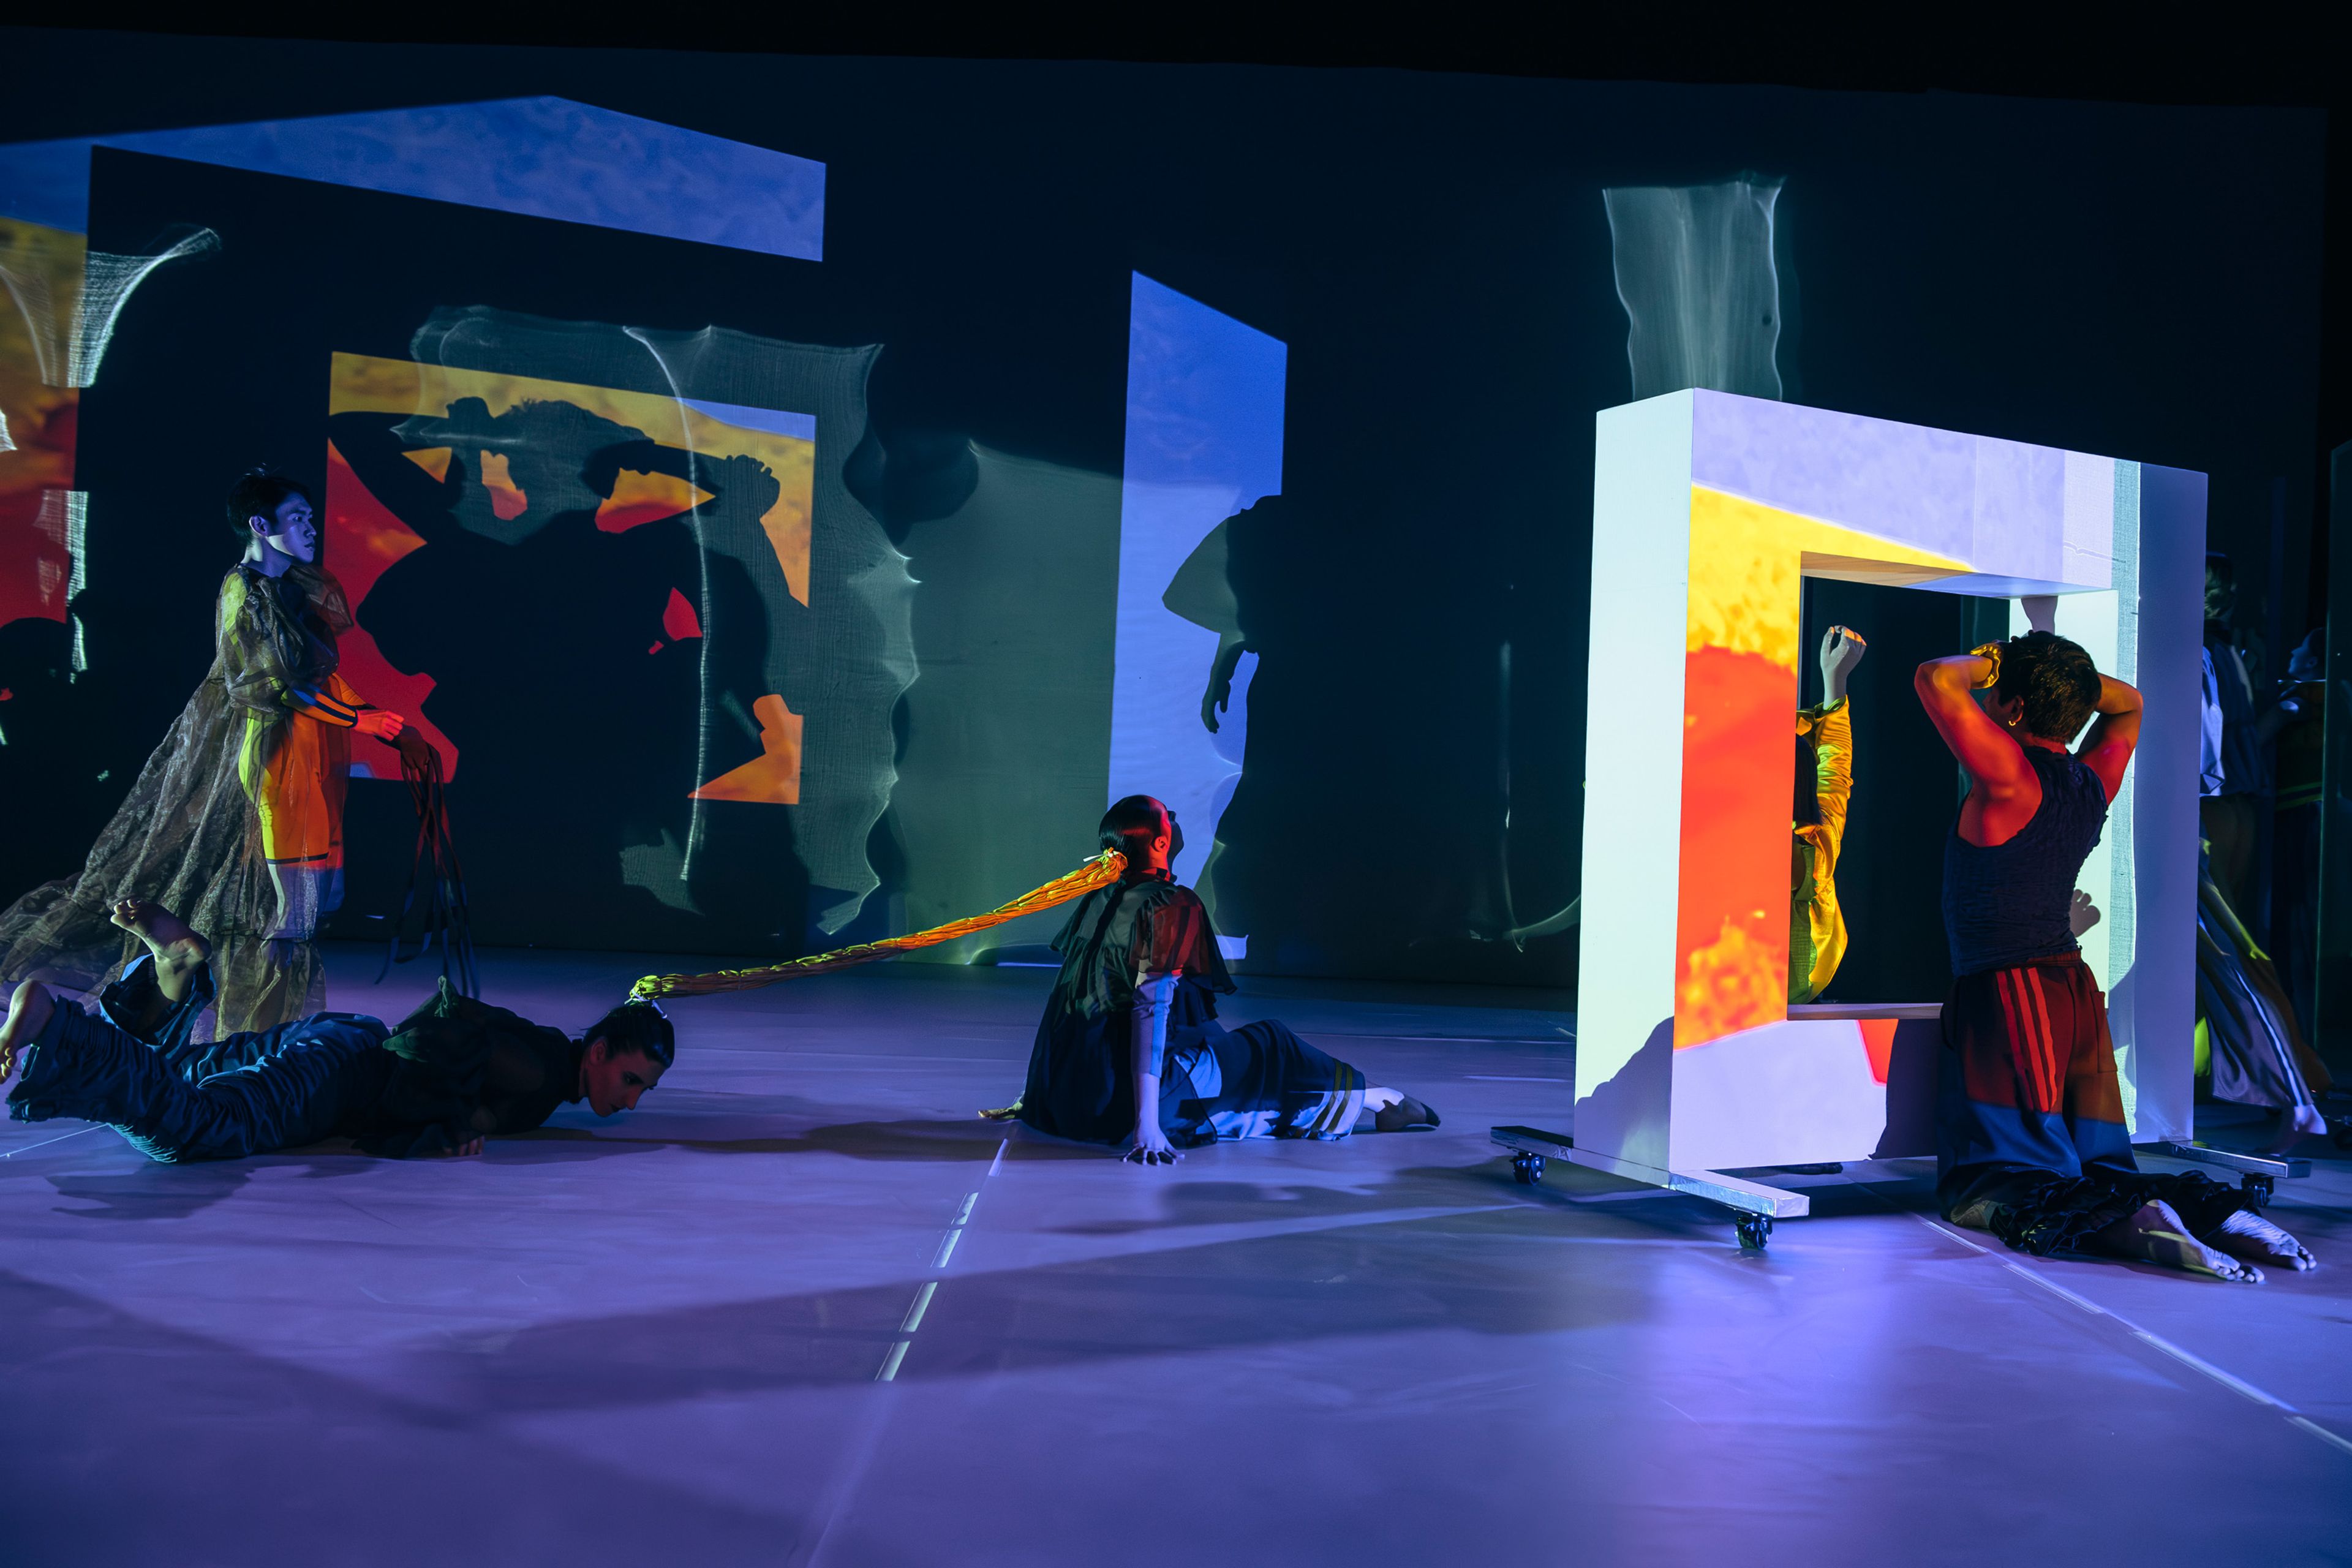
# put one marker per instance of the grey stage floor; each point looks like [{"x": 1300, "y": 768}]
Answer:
[{"x": 659, "y": 1339}]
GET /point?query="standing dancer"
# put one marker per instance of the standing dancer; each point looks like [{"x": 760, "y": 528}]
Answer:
[
  {"x": 1824, "y": 786},
  {"x": 237, "y": 816},
  {"x": 2031, "y": 1143},
  {"x": 1130, "y": 1050}
]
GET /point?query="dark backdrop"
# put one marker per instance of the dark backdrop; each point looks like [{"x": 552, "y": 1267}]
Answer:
[{"x": 2137, "y": 281}]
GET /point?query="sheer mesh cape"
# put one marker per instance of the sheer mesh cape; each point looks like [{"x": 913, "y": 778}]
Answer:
[{"x": 187, "y": 836}]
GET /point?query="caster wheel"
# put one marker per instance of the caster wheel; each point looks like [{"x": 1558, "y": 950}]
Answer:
[
  {"x": 1527, "y": 1169},
  {"x": 2259, "y": 1188},
  {"x": 1755, "y": 1230}
]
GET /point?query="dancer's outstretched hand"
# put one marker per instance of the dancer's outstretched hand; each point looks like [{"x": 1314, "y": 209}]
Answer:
[
  {"x": 1151, "y": 1146},
  {"x": 382, "y": 724},
  {"x": 465, "y": 1151}
]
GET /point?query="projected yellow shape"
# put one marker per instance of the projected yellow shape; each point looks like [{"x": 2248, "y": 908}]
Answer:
[{"x": 1708, "y": 513}]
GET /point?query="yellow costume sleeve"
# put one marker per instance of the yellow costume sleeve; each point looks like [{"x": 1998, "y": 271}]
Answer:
[
  {"x": 1834, "y": 767},
  {"x": 1817, "y": 936}
]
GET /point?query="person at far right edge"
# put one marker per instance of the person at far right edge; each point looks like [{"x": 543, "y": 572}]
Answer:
[{"x": 2031, "y": 1143}]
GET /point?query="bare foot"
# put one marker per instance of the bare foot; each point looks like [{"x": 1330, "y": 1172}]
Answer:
[
  {"x": 1003, "y": 1112},
  {"x": 2296, "y": 1124},
  {"x": 2257, "y": 1240},
  {"x": 28, "y": 1015},
  {"x": 2156, "y": 1234},
  {"x": 179, "y": 951}
]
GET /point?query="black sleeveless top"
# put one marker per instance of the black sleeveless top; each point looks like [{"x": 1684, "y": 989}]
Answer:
[
  {"x": 1081, "y": 1070},
  {"x": 2007, "y": 905}
]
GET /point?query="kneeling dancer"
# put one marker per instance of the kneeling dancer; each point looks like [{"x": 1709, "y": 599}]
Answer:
[
  {"x": 1130, "y": 1052},
  {"x": 2031, "y": 1143},
  {"x": 452, "y": 1072}
]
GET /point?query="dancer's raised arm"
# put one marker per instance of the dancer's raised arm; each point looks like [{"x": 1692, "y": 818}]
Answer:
[{"x": 2106, "y": 748}]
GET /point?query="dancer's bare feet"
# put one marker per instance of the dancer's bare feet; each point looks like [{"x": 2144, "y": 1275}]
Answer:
[
  {"x": 2257, "y": 1240},
  {"x": 2296, "y": 1122},
  {"x": 28, "y": 1015},
  {"x": 180, "y": 952},
  {"x": 2157, "y": 1235}
]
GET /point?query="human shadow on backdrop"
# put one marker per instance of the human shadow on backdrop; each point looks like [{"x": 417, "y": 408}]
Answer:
[
  {"x": 1436, "y": 456},
  {"x": 569, "y": 654}
]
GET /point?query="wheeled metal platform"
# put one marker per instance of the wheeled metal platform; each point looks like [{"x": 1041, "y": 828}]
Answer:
[
  {"x": 2257, "y": 1174},
  {"x": 1754, "y": 1206}
]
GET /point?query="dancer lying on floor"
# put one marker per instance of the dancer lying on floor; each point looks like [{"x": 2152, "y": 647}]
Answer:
[
  {"x": 450, "y": 1073},
  {"x": 1130, "y": 1052},
  {"x": 2031, "y": 1143}
]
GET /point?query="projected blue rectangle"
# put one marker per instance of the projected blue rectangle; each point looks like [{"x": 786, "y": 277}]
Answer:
[
  {"x": 544, "y": 157},
  {"x": 1204, "y": 425}
]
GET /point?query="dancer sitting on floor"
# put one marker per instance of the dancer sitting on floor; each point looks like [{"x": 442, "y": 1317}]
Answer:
[
  {"x": 1130, "y": 1052},
  {"x": 1824, "y": 786},
  {"x": 452, "y": 1072},
  {"x": 2031, "y": 1143}
]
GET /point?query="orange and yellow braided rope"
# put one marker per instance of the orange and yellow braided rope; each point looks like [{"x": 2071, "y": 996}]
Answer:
[{"x": 1100, "y": 871}]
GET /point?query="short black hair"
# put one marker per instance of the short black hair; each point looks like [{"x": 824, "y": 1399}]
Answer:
[
  {"x": 640, "y": 1027},
  {"x": 1130, "y": 825},
  {"x": 259, "y": 492},
  {"x": 2055, "y": 680}
]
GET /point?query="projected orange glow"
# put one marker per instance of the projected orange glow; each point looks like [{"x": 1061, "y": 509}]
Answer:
[{"x": 477, "y": 450}]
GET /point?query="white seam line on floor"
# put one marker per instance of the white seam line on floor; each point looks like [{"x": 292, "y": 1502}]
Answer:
[
  {"x": 2058, "y": 1291},
  {"x": 2195, "y": 1363},
  {"x": 923, "y": 1294},
  {"x": 2228, "y": 1380},
  {"x": 915, "y": 1313},
  {"x": 1945, "y": 1231},
  {"x": 947, "y": 1248},
  {"x": 47, "y": 1142},
  {"x": 2321, "y": 1433}
]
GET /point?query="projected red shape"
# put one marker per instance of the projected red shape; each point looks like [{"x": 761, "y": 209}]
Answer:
[
  {"x": 1733, "y": 917},
  {"x": 1878, "y": 1039},
  {"x": 36, "y": 567},
  {"x": 363, "y": 539}
]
